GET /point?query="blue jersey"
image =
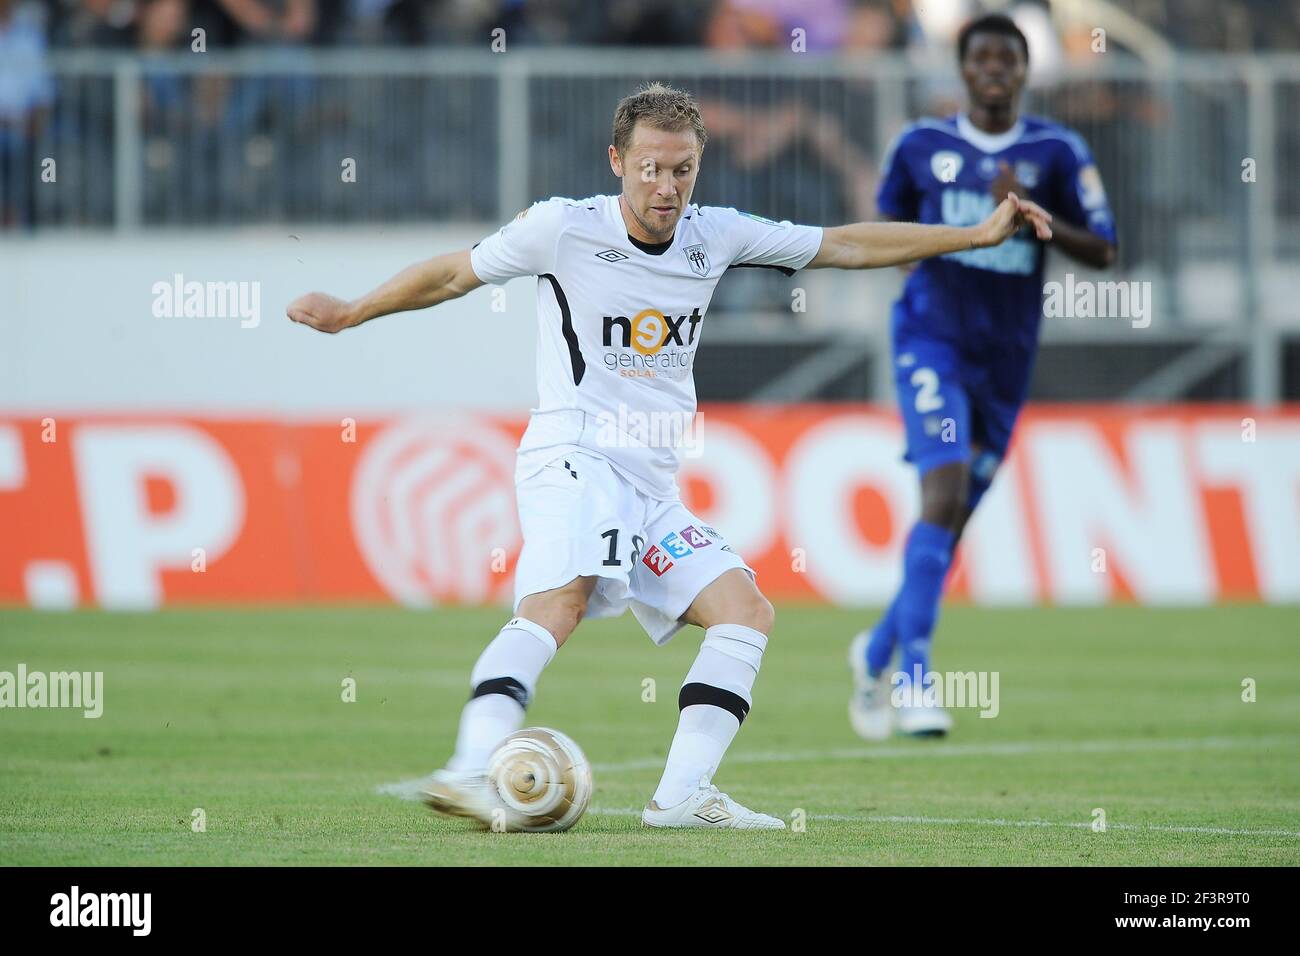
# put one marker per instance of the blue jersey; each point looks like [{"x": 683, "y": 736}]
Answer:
[
  {"x": 965, "y": 331},
  {"x": 940, "y": 171}
]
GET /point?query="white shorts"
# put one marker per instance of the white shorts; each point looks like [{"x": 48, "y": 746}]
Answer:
[{"x": 582, "y": 518}]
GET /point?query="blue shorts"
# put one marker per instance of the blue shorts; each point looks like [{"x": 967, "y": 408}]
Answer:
[{"x": 954, "y": 409}]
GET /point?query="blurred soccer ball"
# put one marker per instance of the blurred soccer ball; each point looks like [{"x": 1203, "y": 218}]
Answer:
[{"x": 543, "y": 777}]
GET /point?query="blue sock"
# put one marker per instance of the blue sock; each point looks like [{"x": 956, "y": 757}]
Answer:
[
  {"x": 883, "y": 637},
  {"x": 926, "y": 559}
]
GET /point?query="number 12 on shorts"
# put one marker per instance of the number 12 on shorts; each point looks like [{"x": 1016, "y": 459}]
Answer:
[{"x": 613, "y": 561}]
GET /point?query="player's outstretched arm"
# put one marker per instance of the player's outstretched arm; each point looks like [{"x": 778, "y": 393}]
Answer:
[
  {"x": 415, "y": 287},
  {"x": 872, "y": 245},
  {"x": 1083, "y": 245}
]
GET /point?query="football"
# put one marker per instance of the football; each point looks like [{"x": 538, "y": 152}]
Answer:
[{"x": 542, "y": 776}]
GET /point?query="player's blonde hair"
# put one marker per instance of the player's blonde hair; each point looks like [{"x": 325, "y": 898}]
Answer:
[{"x": 660, "y": 107}]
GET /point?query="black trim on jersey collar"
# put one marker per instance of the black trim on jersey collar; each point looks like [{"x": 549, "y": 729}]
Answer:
[
  {"x": 652, "y": 248},
  {"x": 566, "y": 325}
]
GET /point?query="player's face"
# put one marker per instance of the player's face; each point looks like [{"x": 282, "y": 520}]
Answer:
[
  {"x": 993, "y": 69},
  {"x": 658, "y": 173}
]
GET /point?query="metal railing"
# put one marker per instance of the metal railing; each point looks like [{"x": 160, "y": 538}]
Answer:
[
  {"x": 453, "y": 134},
  {"x": 448, "y": 135}
]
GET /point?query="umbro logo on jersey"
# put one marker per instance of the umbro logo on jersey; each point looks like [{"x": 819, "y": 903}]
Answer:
[
  {"x": 611, "y": 255},
  {"x": 698, "y": 258}
]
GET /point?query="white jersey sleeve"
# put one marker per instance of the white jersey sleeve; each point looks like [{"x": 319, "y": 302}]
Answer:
[
  {"x": 763, "y": 242},
  {"x": 525, "y": 246}
]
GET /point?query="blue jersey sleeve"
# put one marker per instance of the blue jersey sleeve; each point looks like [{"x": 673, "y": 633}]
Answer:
[
  {"x": 1080, "y": 195},
  {"x": 897, "y": 196}
]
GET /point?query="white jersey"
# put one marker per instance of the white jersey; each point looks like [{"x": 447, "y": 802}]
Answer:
[{"x": 619, "y": 326}]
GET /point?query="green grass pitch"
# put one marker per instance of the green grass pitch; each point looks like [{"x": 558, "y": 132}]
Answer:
[{"x": 1134, "y": 711}]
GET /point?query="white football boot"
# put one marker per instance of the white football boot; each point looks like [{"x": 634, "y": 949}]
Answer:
[
  {"x": 710, "y": 808},
  {"x": 459, "y": 793},
  {"x": 924, "y": 721},
  {"x": 871, "y": 712}
]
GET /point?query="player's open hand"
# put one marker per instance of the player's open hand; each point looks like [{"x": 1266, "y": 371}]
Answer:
[
  {"x": 1012, "y": 214},
  {"x": 322, "y": 312}
]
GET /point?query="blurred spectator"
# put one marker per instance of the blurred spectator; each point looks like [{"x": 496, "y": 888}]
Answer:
[
  {"x": 273, "y": 22},
  {"x": 375, "y": 22},
  {"x": 828, "y": 25},
  {"x": 783, "y": 159},
  {"x": 657, "y": 23},
  {"x": 762, "y": 144},
  {"x": 161, "y": 25},
  {"x": 106, "y": 24},
  {"x": 162, "y": 29},
  {"x": 1230, "y": 25},
  {"x": 876, "y": 25},
  {"x": 771, "y": 24},
  {"x": 26, "y": 95}
]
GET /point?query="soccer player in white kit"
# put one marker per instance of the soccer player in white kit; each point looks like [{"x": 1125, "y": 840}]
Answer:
[{"x": 623, "y": 287}]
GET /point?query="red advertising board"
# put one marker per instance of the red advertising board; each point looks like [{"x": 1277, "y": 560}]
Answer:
[{"x": 1179, "y": 505}]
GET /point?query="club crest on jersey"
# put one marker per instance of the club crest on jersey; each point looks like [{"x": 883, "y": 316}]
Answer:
[
  {"x": 946, "y": 165},
  {"x": 1027, "y": 173},
  {"x": 698, "y": 258}
]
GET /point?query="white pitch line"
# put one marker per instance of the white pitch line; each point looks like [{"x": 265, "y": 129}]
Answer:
[
  {"x": 921, "y": 750},
  {"x": 924, "y": 750},
  {"x": 975, "y": 821},
  {"x": 410, "y": 789}
]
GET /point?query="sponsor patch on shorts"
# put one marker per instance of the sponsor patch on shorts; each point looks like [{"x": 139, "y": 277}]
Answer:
[
  {"x": 657, "y": 561},
  {"x": 672, "y": 543},
  {"x": 695, "y": 537}
]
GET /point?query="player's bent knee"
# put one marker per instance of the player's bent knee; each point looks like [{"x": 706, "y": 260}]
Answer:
[
  {"x": 759, "y": 613},
  {"x": 752, "y": 610},
  {"x": 559, "y": 611},
  {"x": 732, "y": 599}
]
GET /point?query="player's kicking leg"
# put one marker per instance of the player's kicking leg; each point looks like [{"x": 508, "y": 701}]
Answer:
[
  {"x": 503, "y": 681},
  {"x": 714, "y": 700}
]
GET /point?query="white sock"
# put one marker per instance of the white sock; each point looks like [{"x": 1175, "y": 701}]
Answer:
[
  {"x": 503, "y": 681},
  {"x": 704, "y": 733},
  {"x": 715, "y": 697}
]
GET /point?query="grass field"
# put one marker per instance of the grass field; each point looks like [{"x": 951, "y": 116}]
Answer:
[{"x": 1137, "y": 712}]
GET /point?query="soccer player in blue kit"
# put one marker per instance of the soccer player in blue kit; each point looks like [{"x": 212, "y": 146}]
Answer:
[{"x": 965, "y": 333}]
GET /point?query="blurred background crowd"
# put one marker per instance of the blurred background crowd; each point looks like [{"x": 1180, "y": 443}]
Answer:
[
  {"x": 244, "y": 146},
  {"x": 720, "y": 24}
]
